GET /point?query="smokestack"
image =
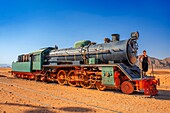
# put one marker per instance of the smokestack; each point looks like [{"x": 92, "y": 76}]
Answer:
[{"x": 115, "y": 37}]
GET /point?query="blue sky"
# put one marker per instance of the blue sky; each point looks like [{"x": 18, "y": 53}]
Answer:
[{"x": 27, "y": 25}]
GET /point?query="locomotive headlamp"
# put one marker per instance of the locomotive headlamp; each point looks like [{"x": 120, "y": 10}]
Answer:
[{"x": 135, "y": 35}]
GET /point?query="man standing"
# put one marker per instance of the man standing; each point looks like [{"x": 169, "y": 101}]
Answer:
[{"x": 145, "y": 61}]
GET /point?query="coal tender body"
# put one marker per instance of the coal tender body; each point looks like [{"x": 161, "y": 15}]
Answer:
[{"x": 90, "y": 65}]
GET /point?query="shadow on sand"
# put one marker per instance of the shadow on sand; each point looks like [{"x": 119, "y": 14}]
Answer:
[
  {"x": 2, "y": 76},
  {"x": 163, "y": 95},
  {"x": 42, "y": 109},
  {"x": 76, "y": 109},
  {"x": 39, "y": 110}
]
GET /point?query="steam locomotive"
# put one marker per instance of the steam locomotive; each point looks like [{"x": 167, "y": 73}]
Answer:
[{"x": 111, "y": 64}]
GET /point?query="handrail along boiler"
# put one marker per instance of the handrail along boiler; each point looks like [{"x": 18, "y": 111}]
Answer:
[{"x": 111, "y": 64}]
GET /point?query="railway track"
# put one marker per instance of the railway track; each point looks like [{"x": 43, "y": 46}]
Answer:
[{"x": 7, "y": 82}]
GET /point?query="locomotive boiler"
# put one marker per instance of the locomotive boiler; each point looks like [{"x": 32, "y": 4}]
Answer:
[
  {"x": 112, "y": 51},
  {"x": 111, "y": 64}
]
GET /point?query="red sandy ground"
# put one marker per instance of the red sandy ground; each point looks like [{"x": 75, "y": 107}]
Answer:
[{"x": 24, "y": 96}]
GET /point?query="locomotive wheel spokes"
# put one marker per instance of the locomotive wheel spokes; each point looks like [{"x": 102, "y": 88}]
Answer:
[
  {"x": 25, "y": 76},
  {"x": 100, "y": 86},
  {"x": 29, "y": 77},
  {"x": 37, "y": 77},
  {"x": 127, "y": 87},
  {"x": 92, "y": 79},
  {"x": 43, "y": 78},
  {"x": 71, "y": 78},
  {"x": 32, "y": 77},
  {"x": 18, "y": 75},
  {"x": 86, "y": 82},
  {"x": 61, "y": 77},
  {"x": 22, "y": 76}
]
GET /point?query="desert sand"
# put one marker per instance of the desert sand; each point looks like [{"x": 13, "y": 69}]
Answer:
[{"x": 25, "y": 96}]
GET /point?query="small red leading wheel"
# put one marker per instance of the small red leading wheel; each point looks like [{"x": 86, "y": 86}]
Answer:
[{"x": 127, "y": 87}]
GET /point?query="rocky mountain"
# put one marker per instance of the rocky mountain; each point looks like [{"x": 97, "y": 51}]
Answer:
[
  {"x": 160, "y": 63},
  {"x": 157, "y": 63}
]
